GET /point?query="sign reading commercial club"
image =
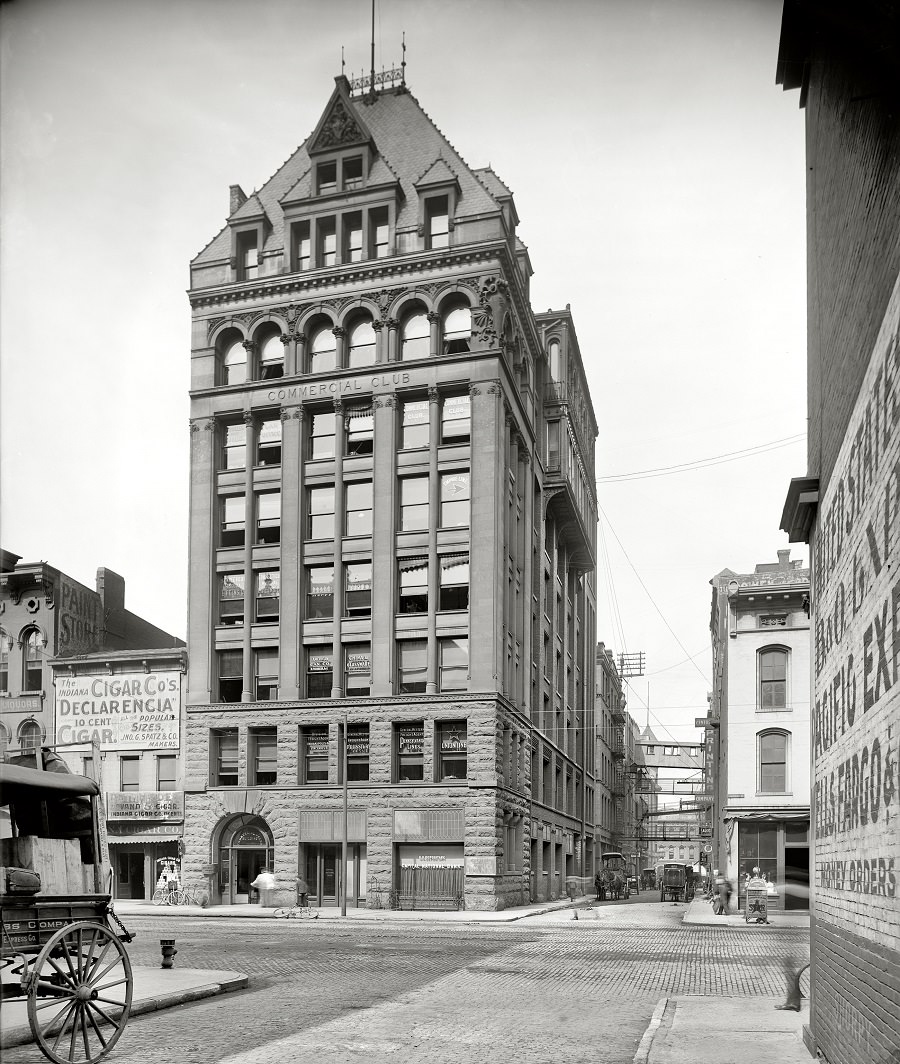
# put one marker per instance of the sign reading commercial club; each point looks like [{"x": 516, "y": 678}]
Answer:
[{"x": 127, "y": 711}]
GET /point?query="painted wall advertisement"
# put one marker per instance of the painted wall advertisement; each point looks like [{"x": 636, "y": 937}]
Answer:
[
  {"x": 856, "y": 601},
  {"x": 127, "y": 711},
  {"x": 79, "y": 618}
]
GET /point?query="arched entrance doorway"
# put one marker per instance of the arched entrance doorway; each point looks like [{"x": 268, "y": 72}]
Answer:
[{"x": 245, "y": 848}]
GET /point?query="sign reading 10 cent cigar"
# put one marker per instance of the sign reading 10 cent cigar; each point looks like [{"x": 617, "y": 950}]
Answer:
[{"x": 128, "y": 711}]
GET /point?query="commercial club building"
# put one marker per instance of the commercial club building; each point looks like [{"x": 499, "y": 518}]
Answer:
[{"x": 392, "y": 523}]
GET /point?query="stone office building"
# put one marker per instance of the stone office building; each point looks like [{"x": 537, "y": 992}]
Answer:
[{"x": 392, "y": 525}]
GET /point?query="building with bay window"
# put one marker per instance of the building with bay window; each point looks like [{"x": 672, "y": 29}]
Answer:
[
  {"x": 392, "y": 534},
  {"x": 760, "y": 710}
]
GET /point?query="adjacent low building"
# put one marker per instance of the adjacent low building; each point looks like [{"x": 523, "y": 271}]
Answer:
[{"x": 760, "y": 709}]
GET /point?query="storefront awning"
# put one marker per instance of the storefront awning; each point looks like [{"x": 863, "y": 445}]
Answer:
[
  {"x": 143, "y": 837},
  {"x": 768, "y": 814}
]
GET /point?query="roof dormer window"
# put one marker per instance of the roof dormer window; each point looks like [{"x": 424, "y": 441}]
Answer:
[
  {"x": 326, "y": 178},
  {"x": 247, "y": 256},
  {"x": 437, "y": 222},
  {"x": 352, "y": 173}
]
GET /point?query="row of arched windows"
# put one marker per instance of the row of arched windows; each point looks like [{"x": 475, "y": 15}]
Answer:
[
  {"x": 325, "y": 347},
  {"x": 29, "y": 736},
  {"x": 32, "y": 642}
]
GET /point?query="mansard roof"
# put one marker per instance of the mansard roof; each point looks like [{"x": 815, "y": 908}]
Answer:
[{"x": 406, "y": 146}]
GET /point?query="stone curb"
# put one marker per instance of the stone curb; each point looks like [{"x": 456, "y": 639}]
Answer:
[
  {"x": 646, "y": 1044},
  {"x": 21, "y": 1035}
]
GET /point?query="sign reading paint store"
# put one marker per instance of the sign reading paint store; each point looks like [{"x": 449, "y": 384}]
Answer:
[{"x": 127, "y": 711}]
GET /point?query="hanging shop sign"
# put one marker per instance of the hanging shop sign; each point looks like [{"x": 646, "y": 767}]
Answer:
[
  {"x": 126, "y": 711},
  {"x": 145, "y": 805}
]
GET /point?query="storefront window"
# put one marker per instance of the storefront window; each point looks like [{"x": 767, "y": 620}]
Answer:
[
  {"x": 409, "y": 751},
  {"x": 318, "y": 674},
  {"x": 314, "y": 758},
  {"x": 224, "y": 751},
  {"x": 452, "y": 750},
  {"x": 357, "y": 752},
  {"x": 357, "y": 670},
  {"x": 758, "y": 848}
]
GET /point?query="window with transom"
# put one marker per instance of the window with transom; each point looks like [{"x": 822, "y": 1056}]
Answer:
[
  {"x": 415, "y": 336},
  {"x": 231, "y": 598},
  {"x": 414, "y": 430},
  {"x": 773, "y": 678},
  {"x": 231, "y": 675},
  {"x": 268, "y": 591},
  {"x": 321, "y": 435},
  {"x": 773, "y": 762},
  {"x": 321, "y": 512},
  {"x": 235, "y": 446},
  {"x": 319, "y": 591},
  {"x": 413, "y": 574},
  {"x": 413, "y": 504},
  {"x": 233, "y": 520},
  {"x": 32, "y": 661},
  {"x": 456, "y": 419}
]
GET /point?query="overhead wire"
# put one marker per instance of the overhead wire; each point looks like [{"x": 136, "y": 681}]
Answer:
[{"x": 702, "y": 463}]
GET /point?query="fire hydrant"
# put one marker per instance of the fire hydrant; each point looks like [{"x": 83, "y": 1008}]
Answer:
[{"x": 167, "y": 947}]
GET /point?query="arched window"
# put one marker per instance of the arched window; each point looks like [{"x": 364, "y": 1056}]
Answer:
[
  {"x": 32, "y": 664},
  {"x": 234, "y": 362},
  {"x": 772, "y": 758},
  {"x": 361, "y": 347},
  {"x": 30, "y": 735},
  {"x": 271, "y": 358},
  {"x": 773, "y": 678},
  {"x": 4, "y": 741},
  {"x": 415, "y": 336},
  {"x": 554, "y": 360},
  {"x": 5, "y": 644},
  {"x": 322, "y": 350},
  {"x": 456, "y": 330}
]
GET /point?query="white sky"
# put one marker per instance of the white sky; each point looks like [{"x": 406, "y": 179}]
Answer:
[{"x": 658, "y": 172}]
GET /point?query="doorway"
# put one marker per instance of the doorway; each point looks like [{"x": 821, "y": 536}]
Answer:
[
  {"x": 796, "y": 877},
  {"x": 245, "y": 849},
  {"x": 130, "y": 875},
  {"x": 323, "y": 865}
]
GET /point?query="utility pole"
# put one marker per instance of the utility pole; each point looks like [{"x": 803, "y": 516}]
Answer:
[{"x": 344, "y": 834}]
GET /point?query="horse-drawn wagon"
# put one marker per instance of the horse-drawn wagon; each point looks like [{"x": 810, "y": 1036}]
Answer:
[{"x": 58, "y": 948}]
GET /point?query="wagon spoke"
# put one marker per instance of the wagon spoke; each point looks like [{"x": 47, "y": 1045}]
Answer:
[
  {"x": 99, "y": 975},
  {"x": 84, "y": 1035},
  {"x": 90, "y": 1015},
  {"x": 66, "y": 1006},
  {"x": 74, "y": 1037},
  {"x": 106, "y": 1016},
  {"x": 109, "y": 986},
  {"x": 110, "y": 1001},
  {"x": 63, "y": 975},
  {"x": 58, "y": 991},
  {"x": 70, "y": 1009},
  {"x": 90, "y": 974},
  {"x": 68, "y": 956}
]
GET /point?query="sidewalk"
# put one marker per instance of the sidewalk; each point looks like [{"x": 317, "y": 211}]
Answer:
[
  {"x": 153, "y": 989},
  {"x": 700, "y": 912},
  {"x": 702, "y": 1030},
  {"x": 258, "y": 912}
]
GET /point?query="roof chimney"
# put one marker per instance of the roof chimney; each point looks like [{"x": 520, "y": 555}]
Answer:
[
  {"x": 784, "y": 558},
  {"x": 237, "y": 197}
]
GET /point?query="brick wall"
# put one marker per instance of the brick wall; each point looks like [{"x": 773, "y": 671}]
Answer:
[{"x": 853, "y": 174}]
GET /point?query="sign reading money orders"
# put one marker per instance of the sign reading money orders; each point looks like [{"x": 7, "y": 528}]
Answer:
[{"x": 128, "y": 711}]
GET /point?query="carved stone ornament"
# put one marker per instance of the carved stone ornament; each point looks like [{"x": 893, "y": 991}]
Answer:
[
  {"x": 339, "y": 407},
  {"x": 339, "y": 128},
  {"x": 339, "y": 331},
  {"x": 494, "y": 388},
  {"x": 433, "y": 395},
  {"x": 378, "y": 325},
  {"x": 433, "y": 317},
  {"x": 285, "y": 414},
  {"x": 286, "y": 338},
  {"x": 392, "y": 323},
  {"x": 300, "y": 414},
  {"x": 474, "y": 390},
  {"x": 249, "y": 346},
  {"x": 195, "y": 427},
  {"x": 390, "y": 401}
]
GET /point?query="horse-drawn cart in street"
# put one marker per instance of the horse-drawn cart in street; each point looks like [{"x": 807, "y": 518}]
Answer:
[{"x": 58, "y": 947}]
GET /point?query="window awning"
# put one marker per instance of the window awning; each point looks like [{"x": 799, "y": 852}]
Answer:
[
  {"x": 118, "y": 840},
  {"x": 769, "y": 814}
]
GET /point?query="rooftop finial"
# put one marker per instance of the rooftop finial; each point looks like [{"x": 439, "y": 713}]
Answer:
[
  {"x": 403, "y": 61},
  {"x": 343, "y": 64},
  {"x": 372, "y": 71}
]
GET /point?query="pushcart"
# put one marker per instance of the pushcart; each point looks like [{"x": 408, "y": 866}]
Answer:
[{"x": 58, "y": 947}]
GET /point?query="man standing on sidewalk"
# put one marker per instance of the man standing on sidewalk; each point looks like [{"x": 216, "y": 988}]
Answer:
[{"x": 264, "y": 884}]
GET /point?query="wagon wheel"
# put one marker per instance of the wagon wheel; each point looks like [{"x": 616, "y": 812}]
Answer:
[{"x": 79, "y": 993}]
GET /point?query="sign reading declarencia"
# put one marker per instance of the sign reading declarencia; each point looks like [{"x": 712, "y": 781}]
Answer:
[{"x": 127, "y": 711}]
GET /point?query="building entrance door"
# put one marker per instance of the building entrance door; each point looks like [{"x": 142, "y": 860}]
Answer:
[
  {"x": 323, "y": 864},
  {"x": 130, "y": 879},
  {"x": 796, "y": 877}
]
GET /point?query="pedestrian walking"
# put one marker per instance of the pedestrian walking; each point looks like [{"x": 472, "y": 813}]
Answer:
[
  {"x": 302, "y": 891},
  {"x": 264, "y": 884}
]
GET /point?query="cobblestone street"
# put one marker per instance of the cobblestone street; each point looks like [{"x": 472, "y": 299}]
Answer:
[{"x": 543, "y": 989}]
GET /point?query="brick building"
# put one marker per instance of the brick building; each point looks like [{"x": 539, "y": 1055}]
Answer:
[
  {"x": 83, "y": 675},
  {"x": 845, "y": 60},
  {"x": 392, "y": 525},
  {"x": 760, "y": 709}
]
